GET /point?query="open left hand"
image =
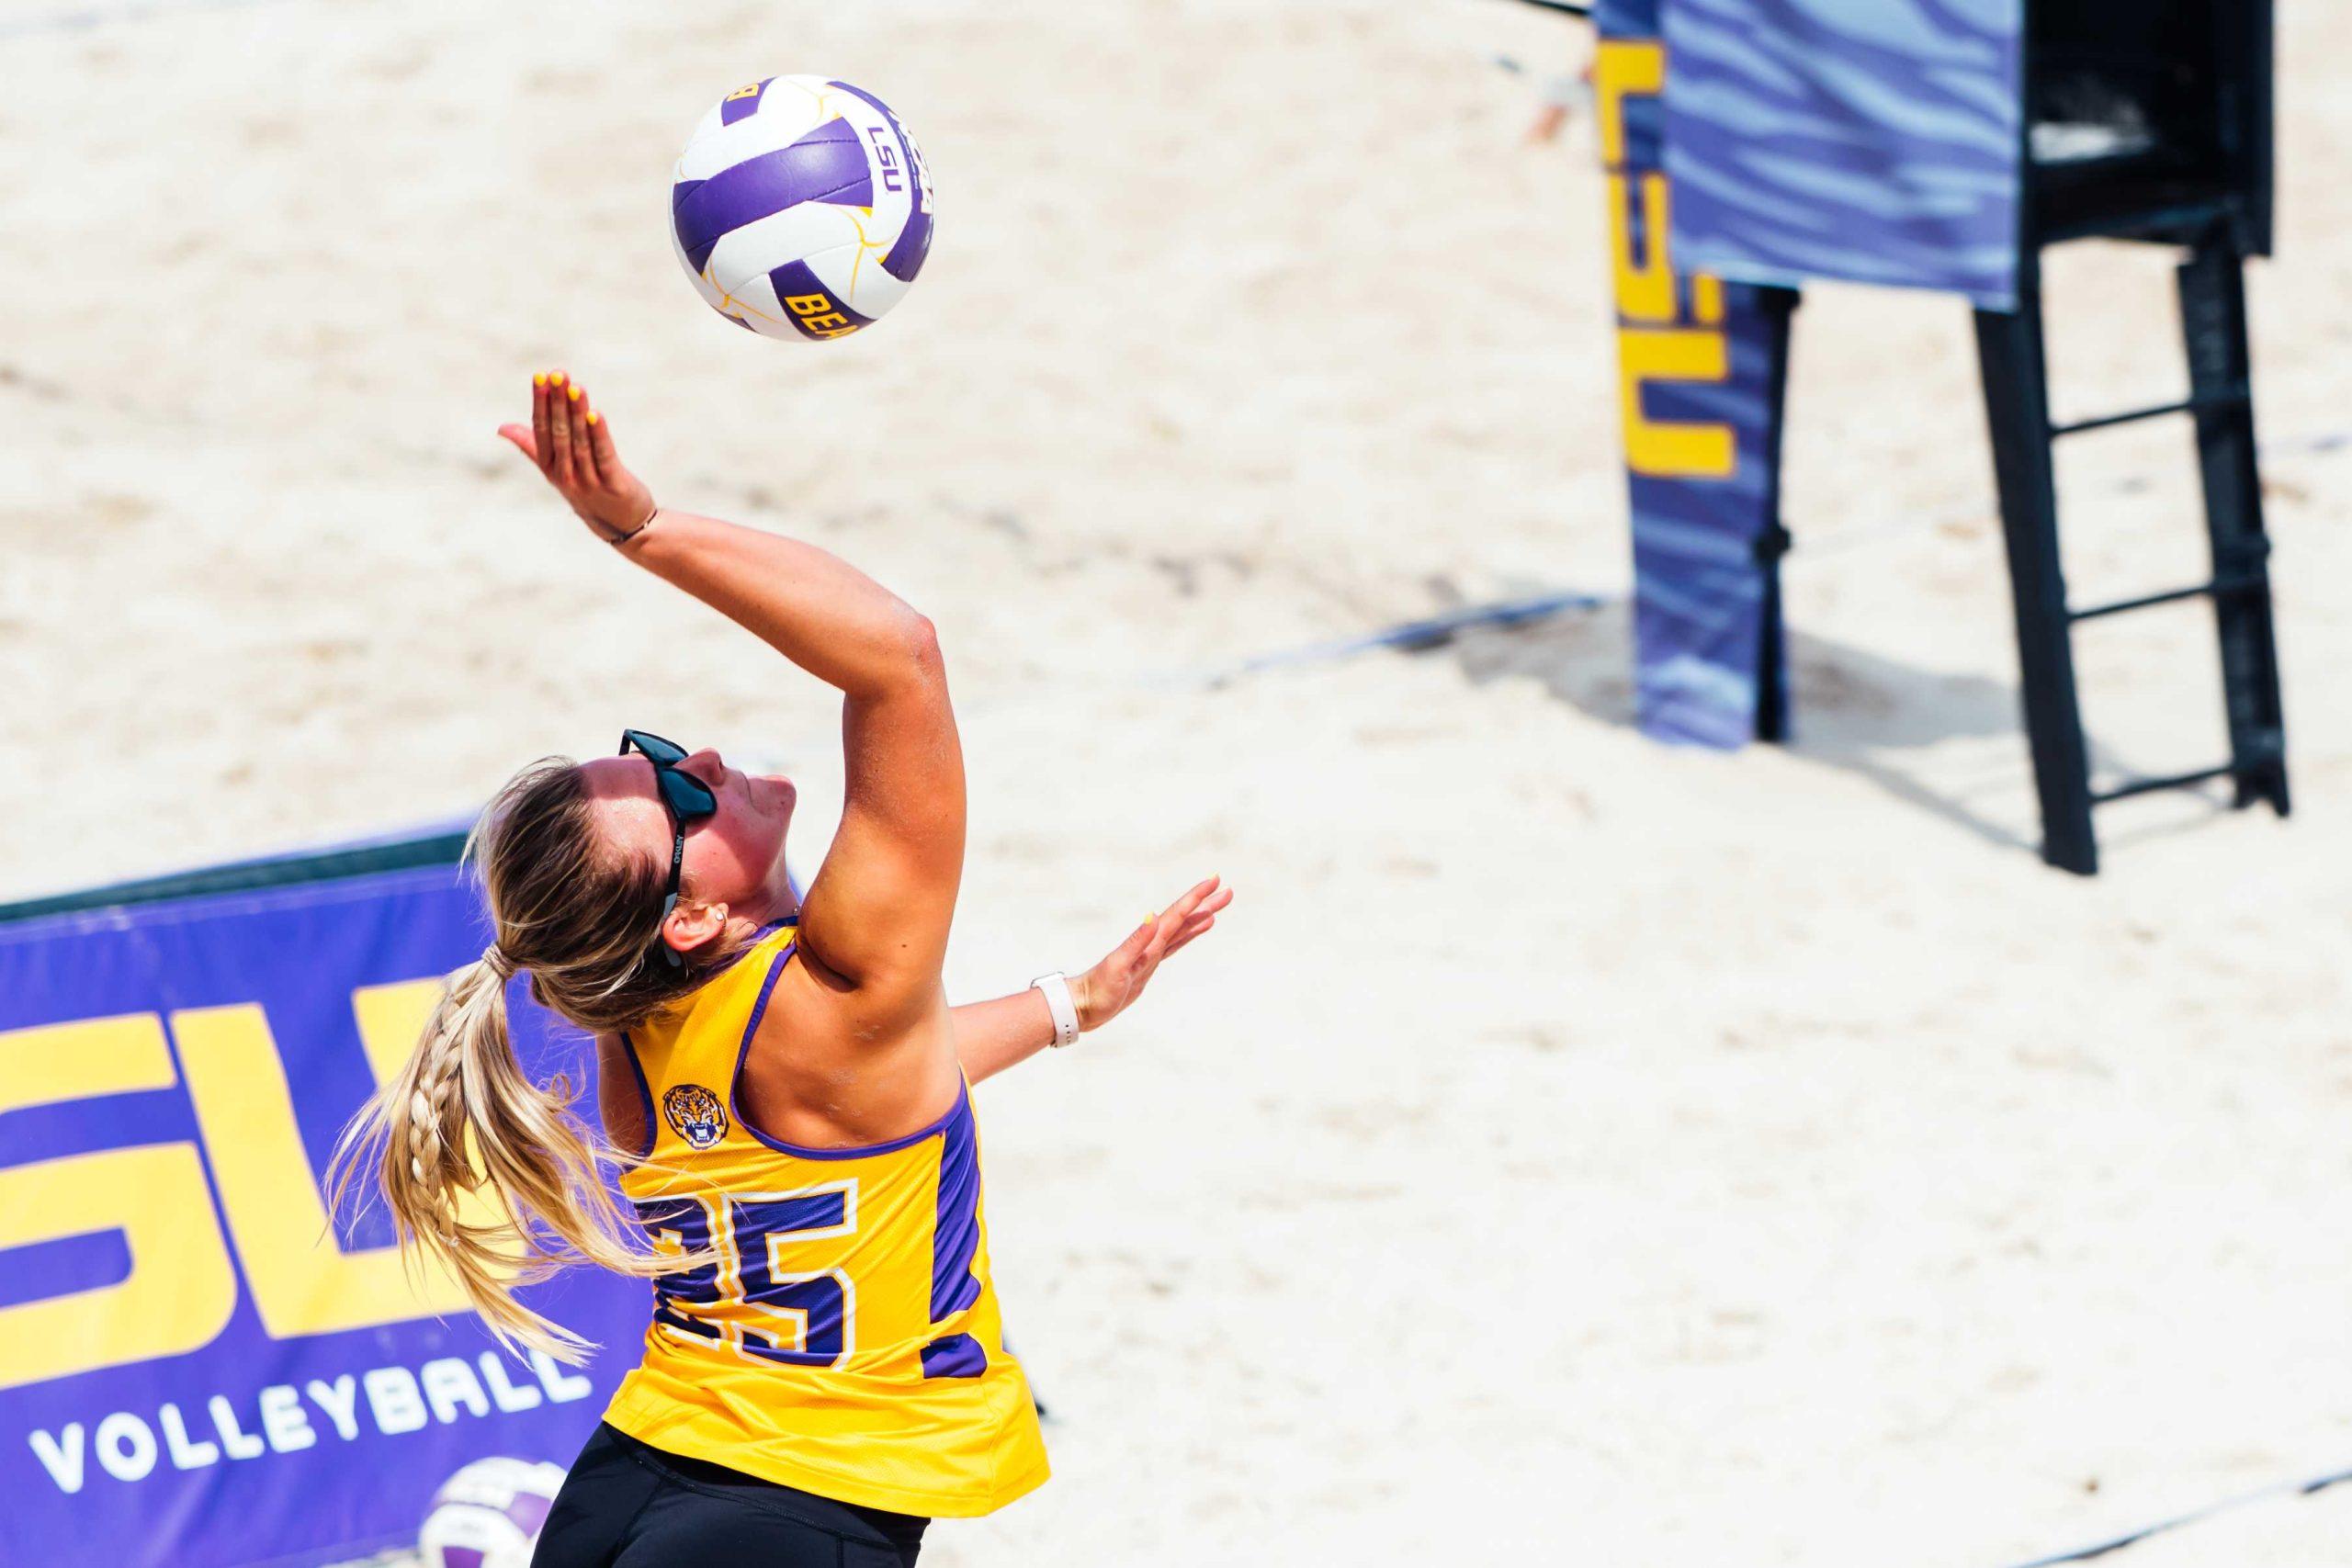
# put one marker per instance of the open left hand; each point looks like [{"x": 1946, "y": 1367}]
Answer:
[
  {"x": 572, "y": 444},
  {"x": 1106, "y": 991}
]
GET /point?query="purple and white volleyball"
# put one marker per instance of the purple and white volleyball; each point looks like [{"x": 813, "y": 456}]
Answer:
[
  {"x": 801, "y": 207},
  {"x": 488, "y": 1515}
]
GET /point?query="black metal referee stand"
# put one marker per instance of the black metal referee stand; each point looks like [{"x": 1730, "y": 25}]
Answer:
[{"x": 2146, "y": 120}]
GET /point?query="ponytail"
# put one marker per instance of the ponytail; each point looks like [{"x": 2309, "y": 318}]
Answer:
[{"x": 484, "y": 1172}]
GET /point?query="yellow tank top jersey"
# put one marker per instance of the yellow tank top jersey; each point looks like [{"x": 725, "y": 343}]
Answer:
[{"x": 847, "y": 1338}]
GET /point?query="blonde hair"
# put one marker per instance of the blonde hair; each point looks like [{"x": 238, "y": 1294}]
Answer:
[{"x": 461, "y": 1117}]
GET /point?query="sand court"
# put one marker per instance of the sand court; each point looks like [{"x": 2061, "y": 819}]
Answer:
[{"x": 1575, "y": 1148}]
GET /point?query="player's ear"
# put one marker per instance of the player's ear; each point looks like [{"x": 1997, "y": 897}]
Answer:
[{"x": 693, "y": 925}]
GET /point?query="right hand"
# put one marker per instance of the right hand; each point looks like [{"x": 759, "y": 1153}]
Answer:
[{"x": 572, "y": 444}]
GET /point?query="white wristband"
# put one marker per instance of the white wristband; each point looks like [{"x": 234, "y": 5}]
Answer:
[{"x": 1057, "y": 999}]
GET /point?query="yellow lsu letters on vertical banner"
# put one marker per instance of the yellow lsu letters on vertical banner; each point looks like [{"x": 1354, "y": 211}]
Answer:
[{"x": 1656, "y": 340}]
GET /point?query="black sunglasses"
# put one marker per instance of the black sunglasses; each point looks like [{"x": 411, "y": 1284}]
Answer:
[{"x": 685, "y": 797}]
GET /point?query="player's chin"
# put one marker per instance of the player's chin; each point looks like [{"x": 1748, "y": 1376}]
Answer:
[{"x": 777, "y": 796}]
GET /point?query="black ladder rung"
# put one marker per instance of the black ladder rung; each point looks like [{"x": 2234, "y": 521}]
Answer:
[
  {"x": 2219, "y": 588},
  {"x": 2178, "y": 781},
  {"x": 2231, "y": 396},
  {"x": 2260, "y": 757}
]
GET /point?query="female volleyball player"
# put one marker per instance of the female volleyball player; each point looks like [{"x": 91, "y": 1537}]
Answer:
[{"x": 784, "y": 1081}]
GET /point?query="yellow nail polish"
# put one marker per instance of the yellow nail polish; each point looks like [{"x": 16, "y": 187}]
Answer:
[
  {"x": 574, "y": 393},
  {"x": 540, "y": 380},
  {"x": 556, "y": 379},
  {"x": 593, "y": 416}
]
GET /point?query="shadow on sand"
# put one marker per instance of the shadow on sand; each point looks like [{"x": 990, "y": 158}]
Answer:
[{"x": 1885, "y": 721}]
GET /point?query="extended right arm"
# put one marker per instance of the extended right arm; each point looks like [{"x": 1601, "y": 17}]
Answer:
[
  {"x": 879, "y": 912},
  {"x": 808, "y": 604}
]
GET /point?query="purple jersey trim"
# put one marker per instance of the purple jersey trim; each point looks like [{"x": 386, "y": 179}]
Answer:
[
  {"x": 955, "y": 1243},
  {"x": 962, "y": 1107},
  {"x": 644, "y": 1094},
  {"x": 637, "y": 1062},
  {"x": 757, "y": 937},
  {"x": 955, "y": 1226},
  {"x": 957, "y": 1356}
]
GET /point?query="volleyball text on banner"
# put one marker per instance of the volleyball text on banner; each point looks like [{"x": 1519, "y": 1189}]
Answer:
[
  {"x": 195, "y": 1369},
  {"x": 1702, "y": 364}
]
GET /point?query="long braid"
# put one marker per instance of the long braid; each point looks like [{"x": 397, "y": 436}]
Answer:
[{"x": 433, "y": 1105}]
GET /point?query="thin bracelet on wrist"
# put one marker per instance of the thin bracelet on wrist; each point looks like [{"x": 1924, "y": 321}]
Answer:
[{"x": 617, "y": 540}]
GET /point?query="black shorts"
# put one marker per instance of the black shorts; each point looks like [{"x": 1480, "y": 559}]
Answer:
[{"x": 627, "y": 1506}]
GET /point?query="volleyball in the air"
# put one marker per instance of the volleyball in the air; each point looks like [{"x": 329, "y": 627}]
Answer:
[
  {"x": 801, "y": 207},
  {"x": 488, "y": 1515}
]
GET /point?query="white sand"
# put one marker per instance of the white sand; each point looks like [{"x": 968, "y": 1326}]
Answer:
[{"x": 1654, "y": 1157}]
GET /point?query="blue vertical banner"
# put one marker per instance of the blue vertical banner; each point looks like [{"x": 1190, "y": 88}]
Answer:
[
  {"x": 1702, "y": 364},
  {"x": 198, "y": 1369},
  {"x": 1869, "y": 141}
]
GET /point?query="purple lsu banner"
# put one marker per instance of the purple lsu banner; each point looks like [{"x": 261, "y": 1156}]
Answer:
[
  {"x": 195, "y": 1369},
  {"x": 1702, "y": 364},
  {"x": 1872, "y": 140}
]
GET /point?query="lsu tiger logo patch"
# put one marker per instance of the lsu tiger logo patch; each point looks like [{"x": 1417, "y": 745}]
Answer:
[{"x": 697, "y": 1114}]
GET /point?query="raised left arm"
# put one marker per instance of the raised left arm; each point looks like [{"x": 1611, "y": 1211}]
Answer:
[{"x": 1007, "y": 1030}]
